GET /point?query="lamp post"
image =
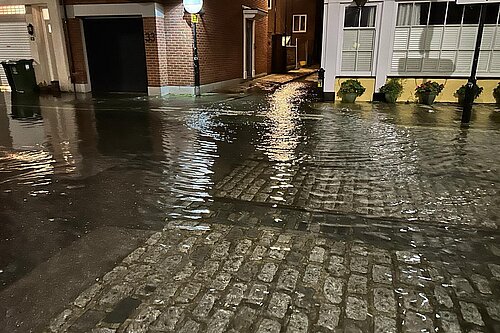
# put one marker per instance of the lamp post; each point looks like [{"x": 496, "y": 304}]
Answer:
[
  {"x": 360, "y": 3},
  {"x": 471, "y": 83},
  {"x": 194, "y": 7}
]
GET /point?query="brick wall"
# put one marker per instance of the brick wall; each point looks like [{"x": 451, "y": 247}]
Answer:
[
  {"x": 156, "y": 51},
  {"x": 220, "y": 40},
  {"x": 300, "y": 7},
  {"x": 169, "y": 56},
  {"x": 75, "y": 34},
  {"x": 262, "y": 43},
  {"x": 282, "y": 15},
  {"x": 179, "y": 45}
]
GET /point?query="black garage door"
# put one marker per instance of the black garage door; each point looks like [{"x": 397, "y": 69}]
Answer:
[{"x": 116, "y": 54}]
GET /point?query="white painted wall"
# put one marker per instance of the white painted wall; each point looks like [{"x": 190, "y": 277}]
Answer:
[
  {"x": 149, "y": 9},
  {"x": 58, "y": 39},
  {"x": 333, "y": 32}
]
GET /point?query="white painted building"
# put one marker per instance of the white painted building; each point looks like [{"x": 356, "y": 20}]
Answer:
[
  {"x": 46, "y": 46},
  {"x": 414, "y": 40}
]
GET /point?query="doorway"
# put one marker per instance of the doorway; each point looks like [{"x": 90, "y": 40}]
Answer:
[
  {"x": 249, "y": 70},
  {"x": 116, "y": 54}
]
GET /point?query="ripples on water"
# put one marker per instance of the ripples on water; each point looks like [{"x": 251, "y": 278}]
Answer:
[
  {"x": 177, "y": 152},
  {"x": 68, "y": 166}
]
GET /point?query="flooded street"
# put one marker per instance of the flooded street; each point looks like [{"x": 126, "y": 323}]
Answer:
[{"x": 379, "y": 214}]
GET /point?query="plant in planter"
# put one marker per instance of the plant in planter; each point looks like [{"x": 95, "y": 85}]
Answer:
[
  {"x": 496, "y": 93},
  {"x": 427, "y": 92},
  {"x": 350, "y": 90},
  {"x": 460, "y": 93},
  {"x": 392, "y": 90}
]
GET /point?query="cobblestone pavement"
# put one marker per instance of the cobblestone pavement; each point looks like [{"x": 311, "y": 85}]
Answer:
[
  {"x": 224, "y": 277},
  {"x": 310, "y": 218},
  {"x": 364, "y": 164}
]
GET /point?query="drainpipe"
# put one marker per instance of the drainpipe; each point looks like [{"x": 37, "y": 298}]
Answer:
[{"x": 68, "y": 45}]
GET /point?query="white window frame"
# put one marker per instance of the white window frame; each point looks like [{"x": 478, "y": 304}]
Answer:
[
  {"x": 301, "y": 17},
  {"x": 438, "y": 74},
  {"x": 376, "y": 28},
  {"x": 269, "y": 4}
]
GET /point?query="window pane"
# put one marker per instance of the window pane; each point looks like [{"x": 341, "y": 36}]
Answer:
[
  {"x": 303, "y": 23},
  {"x": 367, "y": 17},
  {"x": 437, "y": 13},
  {"x": 421, "y": 12},
  {"x": 454, "y": 13},
  {"x": 471, "y": 15},
  {"x": 296, "y": 23},
  {"x": 404, "y": 14},
  {"x": 351, "y": 17},
  {"x": 492, "y": 13}
]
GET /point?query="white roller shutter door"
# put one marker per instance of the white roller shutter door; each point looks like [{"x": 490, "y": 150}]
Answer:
[{"x": 14, "y": 44}]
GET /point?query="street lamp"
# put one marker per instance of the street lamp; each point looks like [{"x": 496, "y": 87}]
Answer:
[
  {"x": 360, "y": 3},
  {"x": 194, "y": 7}
]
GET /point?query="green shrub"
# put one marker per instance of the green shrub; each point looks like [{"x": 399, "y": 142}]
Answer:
[
  {"x": 496, "y": 92},
  {"x": 460, "y": 93},
  {"x": 429, "y": 87},
  {"x": 393, "y": 87},
  {"x": 351, "y": 87}
]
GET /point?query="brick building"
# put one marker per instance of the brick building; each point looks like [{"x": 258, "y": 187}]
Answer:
[
  {"x": 123, "y": 46},
  {"x": 300, "y": 23}
]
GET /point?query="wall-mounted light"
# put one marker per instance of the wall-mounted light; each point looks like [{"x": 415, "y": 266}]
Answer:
[{"x": 31, "y": 29}]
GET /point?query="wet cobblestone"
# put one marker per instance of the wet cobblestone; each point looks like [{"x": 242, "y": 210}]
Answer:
[
  {"x": 244, "y": 287},
  {"x": 375, "y": 168}
]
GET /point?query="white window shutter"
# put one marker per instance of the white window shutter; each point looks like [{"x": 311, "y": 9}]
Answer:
[
  {"x": 488, "y": 35},
  {"x": 495, "y": 62},
  {"x": 364, "y": 61},
  {"x": 496, "y": 44},
  {"x": 431, "y": 62},
  {"x": 417, "y": 39},
  {"x": 464, "y": 61},
  {"x": 484, "y": 60},
  {"x": 401, "y": 37},
  {"x": 366, "y": 40},
  {"x": 350, "y": 40},
  {"x": 414, "y": 61},
  {"x": 348, "y": 61},
  {"x": 450, "y": 38},
  {"x": 447, "y": 61},
  {"x": 433, "y": 38},
  {"x": 468, "y": 38},
  {"x": 398, "y": 64}
]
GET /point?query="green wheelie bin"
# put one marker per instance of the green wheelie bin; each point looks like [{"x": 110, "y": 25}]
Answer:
[{"x": 20, "y": 75}]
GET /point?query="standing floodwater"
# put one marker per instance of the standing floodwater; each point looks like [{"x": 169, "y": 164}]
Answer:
[{"x": 93, "y": 175}]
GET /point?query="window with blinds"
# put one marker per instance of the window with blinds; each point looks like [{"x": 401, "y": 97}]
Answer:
[
  {"x": 12, "y": 10},
  {"x": 358, "y": 39},
  {"x": 439, "y": 38}
]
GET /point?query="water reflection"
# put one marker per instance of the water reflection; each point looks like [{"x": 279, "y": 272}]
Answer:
[
  {"x": 282, "y": 137},
  {"x": 193, "y": 169},
  {"x": 283, "y": 123},
  {"x": 69, "y": 166},
  {"x": 25, "y": 106}
]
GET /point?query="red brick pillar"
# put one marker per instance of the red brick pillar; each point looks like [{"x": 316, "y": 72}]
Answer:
[
  {"x": 151, "y": 40},
  {"x": 77, "y": 50}
]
